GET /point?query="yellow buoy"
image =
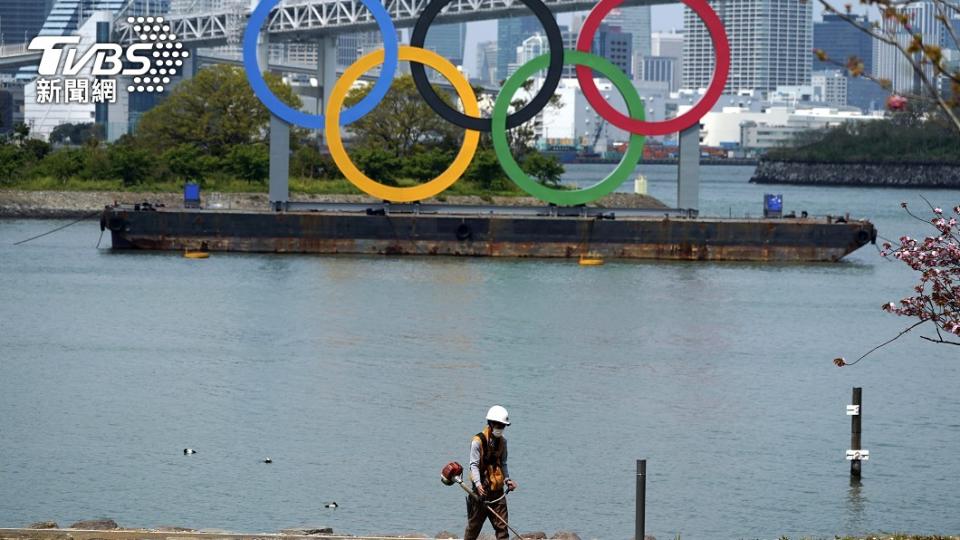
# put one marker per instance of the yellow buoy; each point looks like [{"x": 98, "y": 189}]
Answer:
[{"x": 591, "y": 259}]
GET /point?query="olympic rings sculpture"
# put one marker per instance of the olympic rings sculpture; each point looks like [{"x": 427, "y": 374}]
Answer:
[{"x": 502, "y": 119}]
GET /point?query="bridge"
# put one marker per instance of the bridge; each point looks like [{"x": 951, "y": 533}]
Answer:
[{"x": 306, "y": 19}]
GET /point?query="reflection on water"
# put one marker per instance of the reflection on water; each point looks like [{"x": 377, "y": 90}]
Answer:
[{"x": 856, "y": 503}]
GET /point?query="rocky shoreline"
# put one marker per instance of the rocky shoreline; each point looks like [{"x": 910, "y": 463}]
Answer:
[
  {"x": 107, "y": 529},
  {"x": 904, "y": 175},
  {"x": 78, "y": 204}
]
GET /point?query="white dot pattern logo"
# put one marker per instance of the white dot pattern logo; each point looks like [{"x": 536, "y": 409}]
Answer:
[{"x": 167, "y": 51}]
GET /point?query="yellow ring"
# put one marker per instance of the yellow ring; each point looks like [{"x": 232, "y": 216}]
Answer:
[{"x": 371, "y": 186}]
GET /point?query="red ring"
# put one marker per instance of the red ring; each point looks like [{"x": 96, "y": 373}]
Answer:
[{"x": 720, "y": 44}]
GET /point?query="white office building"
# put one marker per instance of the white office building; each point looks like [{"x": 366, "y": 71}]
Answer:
[
  {"x": 669, "y": 45},
  {"x": 770, "y": 44},
  {"x": 831, "y": 86},
  {"x": 754, "y": 129}
]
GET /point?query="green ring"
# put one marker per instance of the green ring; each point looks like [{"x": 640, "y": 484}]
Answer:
[{"x": 567, "y": 197}]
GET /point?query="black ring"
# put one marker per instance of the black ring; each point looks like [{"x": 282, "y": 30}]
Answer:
[{"x": 537, "y": 104}]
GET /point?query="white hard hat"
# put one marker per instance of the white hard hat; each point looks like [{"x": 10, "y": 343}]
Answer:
[{"x": 498, "y": 414}]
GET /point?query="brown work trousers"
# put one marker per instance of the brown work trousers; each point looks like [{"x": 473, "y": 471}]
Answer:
[{"x": 477, "y": 513}]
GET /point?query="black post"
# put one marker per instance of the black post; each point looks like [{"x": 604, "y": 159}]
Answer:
[
  {"x": 641, "y": 498},
  {"x": 855, "y": 430}
]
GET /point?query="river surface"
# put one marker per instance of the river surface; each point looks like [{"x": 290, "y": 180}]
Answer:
[{"x": 361, "y": 377}]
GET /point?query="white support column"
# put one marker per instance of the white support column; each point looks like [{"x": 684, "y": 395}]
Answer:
[
  {"x": 279, "y": 163},
  {"x": 279, "y": 140},
  {"x": 688, "y": 171},
  {"x": 326, "y": 67}
]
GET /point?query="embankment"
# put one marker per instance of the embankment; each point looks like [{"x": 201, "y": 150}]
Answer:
[
  {"x": 77, "y": 204},
  {"x": 906, "y": 175},
  {"x": 112, "y": 532}
]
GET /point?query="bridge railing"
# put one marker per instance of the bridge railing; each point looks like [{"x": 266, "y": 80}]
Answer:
[
  {"x": 296, "y": 19},
  {"x": 13, "y": 49}
]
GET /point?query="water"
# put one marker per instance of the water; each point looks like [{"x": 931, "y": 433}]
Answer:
[{"x": 361, "y": 377}]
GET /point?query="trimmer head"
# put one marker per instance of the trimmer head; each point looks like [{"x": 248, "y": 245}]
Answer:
[{"x": 450, "y": 474}]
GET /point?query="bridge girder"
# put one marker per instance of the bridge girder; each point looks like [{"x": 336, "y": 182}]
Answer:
[{"x": 309, "y": 20}]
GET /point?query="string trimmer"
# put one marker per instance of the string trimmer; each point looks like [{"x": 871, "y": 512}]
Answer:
[{"x": 451, "y": 474}]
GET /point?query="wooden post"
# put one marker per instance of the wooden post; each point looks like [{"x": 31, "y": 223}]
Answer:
[
  {"x": 641, "y": 499},
  {"x": 855, "y": 431}
]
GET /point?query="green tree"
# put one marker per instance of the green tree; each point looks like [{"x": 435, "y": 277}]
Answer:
[
  {"x": 96, "y": 160},
  {"x": 131, "y": 163},
  {"x": 20, "y": 132},
  {"x": 428, "y": 164},
  {"x": 64, "y": 164},
  {"x": 402, "y": 123},
  {"x": 546, "y": 169},
  {"x": 485, "y": 171},
  {"x": 76, "y": 134},
  {"x": 214, "y": 111},
  {"x": 11, "y": 163},
  {"x": 307, "y": 162},
  {"x": 893, "y": 140},
  {"x": 187, "y": 162},
  {"x": 35, "y": 150},
  {"x": 379, "y": 164},
  {"x": 250, "y": 162}
]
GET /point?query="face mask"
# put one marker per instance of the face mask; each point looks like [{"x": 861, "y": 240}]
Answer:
[{"x": 497, "y": 433}]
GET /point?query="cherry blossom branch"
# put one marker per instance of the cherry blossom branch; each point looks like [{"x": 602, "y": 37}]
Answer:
[
  {"x": 840, "y": 362},
  {"x": 941, "y": 340}
]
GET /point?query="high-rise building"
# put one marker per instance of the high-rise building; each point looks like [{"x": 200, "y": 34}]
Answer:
[
  {"x": 510, "y": 34},
  {"x": 448, "y": 40},
  {"x": 65, "y": 17},
  {"x": 616, "y": 46},
  {"x": 831, "y": 85},
  {"x": 487, "y": 62},
  {"x": 20, "y": 20},
  {"x": 770, "y": 44},
  {"x": 659, "y": 69},
  {"x": 669, "y": 45},
  {"x": 889, "y": 63},
  {"x": 610, "y": 42},
  {"x": 636, "y": 22},
  {"x": 531, "y": 48},
  {"x": 840, "y": 40}
]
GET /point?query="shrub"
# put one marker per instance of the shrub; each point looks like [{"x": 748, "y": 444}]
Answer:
[
  {"x": 378, "y": 164},
  {"x": 428, "y": 164},
  {"x": 131, "y": 164},
  {"x": 546, "y": 169},
  {"x": 64, "y": 164},
  {"x": 250, "y": 162},
  {"x": 486, "y": 173}
]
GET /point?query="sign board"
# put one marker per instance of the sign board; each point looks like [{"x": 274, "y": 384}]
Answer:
[
  {"x": 862, "y": 455},
  {"x": 853, "y": 410}
]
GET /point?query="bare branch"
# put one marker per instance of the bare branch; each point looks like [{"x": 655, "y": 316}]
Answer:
[
  {"x": 885, "y": 343},
  {"x": 941, "y": 341}
]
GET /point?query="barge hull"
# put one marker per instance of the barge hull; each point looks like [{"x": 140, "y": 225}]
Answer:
[{"x": 486, "y": 235}]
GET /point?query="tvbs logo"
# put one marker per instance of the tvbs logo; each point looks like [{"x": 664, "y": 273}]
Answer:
[
  {"x": 149, "y": 64},
  {"x": 107, "y": 59}
]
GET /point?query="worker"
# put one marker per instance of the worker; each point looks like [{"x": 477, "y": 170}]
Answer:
[{"x": 488, "y": 472}]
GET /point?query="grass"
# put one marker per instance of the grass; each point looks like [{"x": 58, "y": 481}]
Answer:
[{"x": 308, "y": 186}]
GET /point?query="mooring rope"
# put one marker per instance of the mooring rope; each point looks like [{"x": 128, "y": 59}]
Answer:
[{"x": 86, "y": 217}]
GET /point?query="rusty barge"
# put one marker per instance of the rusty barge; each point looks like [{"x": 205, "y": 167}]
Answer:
[{"x": 478, "y": 231}]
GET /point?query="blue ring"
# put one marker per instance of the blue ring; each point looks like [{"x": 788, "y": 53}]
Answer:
[{"x": 310, "y": 121}]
